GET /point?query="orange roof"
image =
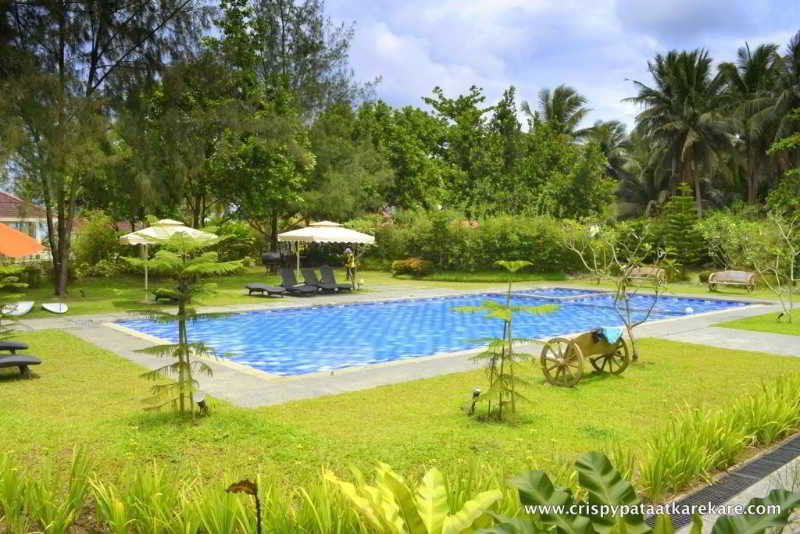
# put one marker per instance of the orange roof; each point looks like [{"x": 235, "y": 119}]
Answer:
[{"x": 16, "y": 244}]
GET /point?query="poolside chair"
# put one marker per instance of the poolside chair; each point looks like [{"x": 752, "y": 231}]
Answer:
[
  {"x": 329, "y": 278},
  {"x": 264, "y": 288},
  {"x": 12, "y": 346},
  {"x": 17, "y": 360},
  {"x": 310, "y": 278},
  {"x": 290, "y": 284}
]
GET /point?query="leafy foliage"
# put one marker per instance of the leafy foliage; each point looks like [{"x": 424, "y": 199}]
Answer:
[{"x": 391, "y": 506}]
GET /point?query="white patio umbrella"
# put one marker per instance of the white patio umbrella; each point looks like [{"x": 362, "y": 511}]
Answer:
[
  {"x": 158, "y": 233},
  {"x": 325, "y": 232}
]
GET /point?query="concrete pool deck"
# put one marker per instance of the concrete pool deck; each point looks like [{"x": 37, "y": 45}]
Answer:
[{"x": 247, "y": 387}]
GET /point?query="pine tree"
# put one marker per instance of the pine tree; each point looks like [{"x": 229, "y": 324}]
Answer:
[
  {"x": 182, "y": 258},
  {"x": 681, "y": 235}
]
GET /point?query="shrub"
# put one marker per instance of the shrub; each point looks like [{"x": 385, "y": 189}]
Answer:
[
  {"x": 451, "y": 242},
  {"x": 102, "y": 269},
  {"x": 240, "y": 240},
  {"x": 96, "y": 240},
  {"x": 412, "y": 266},
  {"x": 702, "y": 276}
]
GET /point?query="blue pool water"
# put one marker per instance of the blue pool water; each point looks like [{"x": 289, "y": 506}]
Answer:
[{"x": 321, "y": 338}]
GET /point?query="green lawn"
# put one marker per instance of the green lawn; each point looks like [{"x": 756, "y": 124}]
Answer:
[
  {"x": 767, "y": 323},
  {"x": 86, "y": 395}
]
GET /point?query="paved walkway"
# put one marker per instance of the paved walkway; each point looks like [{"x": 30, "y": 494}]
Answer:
[{"x": 247, "y": 387}]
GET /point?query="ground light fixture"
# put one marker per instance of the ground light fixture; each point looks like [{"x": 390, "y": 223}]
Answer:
[{"x": 476, "y": 393}]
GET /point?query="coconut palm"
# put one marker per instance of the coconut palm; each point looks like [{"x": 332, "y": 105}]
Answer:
[
  {"x": 750, "y": 86},
  {"x": 774, "y": 108},
  {"x": 682, "y": 111},
  {"x": 562, "y": 109},
  {"x": 612, "y": 139},
  {"x": 644, "y": 182}
]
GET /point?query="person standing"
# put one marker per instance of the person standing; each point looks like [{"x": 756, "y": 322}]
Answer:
[{"x": 349, "y": 263}]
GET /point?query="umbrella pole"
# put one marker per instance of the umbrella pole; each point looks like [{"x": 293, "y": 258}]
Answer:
[{"x": 297, "y": 248}]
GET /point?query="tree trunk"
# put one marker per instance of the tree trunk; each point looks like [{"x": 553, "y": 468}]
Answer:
[
  {"x": 698, "y": 198},
  {"x": 273, "y": 237}
]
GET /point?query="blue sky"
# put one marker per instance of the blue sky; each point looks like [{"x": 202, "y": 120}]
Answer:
[{"x": 596, "y": 46}]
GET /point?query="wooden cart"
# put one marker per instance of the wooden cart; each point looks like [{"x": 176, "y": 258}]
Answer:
[{"x": 562, "y": 359}]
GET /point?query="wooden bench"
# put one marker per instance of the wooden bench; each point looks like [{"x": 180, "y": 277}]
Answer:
[
  {"x": 732, "y": 278},
  {"x": 648, "y": 274}
]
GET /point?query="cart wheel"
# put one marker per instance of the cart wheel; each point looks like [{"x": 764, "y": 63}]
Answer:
[
  {"x": 562, "y": 362},
  {"x": 613, "y": 362}
]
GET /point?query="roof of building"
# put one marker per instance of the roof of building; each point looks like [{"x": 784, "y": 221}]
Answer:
[{"x": 13, "y": 206}]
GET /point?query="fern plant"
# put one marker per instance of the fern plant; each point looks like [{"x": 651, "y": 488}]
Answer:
[
  {"x": 182, "y": 258},
  {"x": 499, "y": 355}
]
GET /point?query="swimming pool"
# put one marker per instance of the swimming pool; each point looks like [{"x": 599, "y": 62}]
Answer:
[{"x": 304, "y": 340}]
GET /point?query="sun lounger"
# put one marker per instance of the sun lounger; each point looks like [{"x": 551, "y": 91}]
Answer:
[
  {"x": 19, "y": 360},
  {"x": 732, "y": 278},
  {"x": 290, "y": 284},
  {"x": 12, "y": 346},
  {"x": 264, "y": 288},
  {"x": 329, "y": 278},
  {"x": 310, "y": 278},
  {"x": 165, "y": 294}
]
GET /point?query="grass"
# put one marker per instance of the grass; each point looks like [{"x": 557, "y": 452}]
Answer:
[
  {"x": 767, "y": 323},
  {"x": 87, "y": 395}
]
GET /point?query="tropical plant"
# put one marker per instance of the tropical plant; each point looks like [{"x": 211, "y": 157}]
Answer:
[
  {"x": 613, "y": 141},
  {"x": 391, "y": 506},
  {"x": 613, "y": 506},
  {"x": 644, "y": 182},
  {"x": 750, "y": 83},
  {"x": 499, "y": 355},
  {"x": 683, "y": 112},
  {"x": 562, "y": 108},
  {"x": 181, "y": 257},
  {"x": 55, "y": 512}
]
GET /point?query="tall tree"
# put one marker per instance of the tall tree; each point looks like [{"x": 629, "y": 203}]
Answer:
[
  {"x": 410, "y": 139},
  {"x": 562, "y": 109},
  {"x": 683, "y": 110},
  {"x": 67, "y": 56},
  {"x": 750, "y": 84},
  {"x": 464, "y": 145},
  {"x": 351, "y": 175}
]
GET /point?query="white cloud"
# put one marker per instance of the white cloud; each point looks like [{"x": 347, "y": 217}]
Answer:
[{"x": 596, "y": 46}]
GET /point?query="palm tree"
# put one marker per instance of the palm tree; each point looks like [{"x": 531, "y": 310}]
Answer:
[
  {"x": 613, "y": 141},
  {"x": 774, "y": 108},
  {"x": 562, "y": 109},
  {"x": 683, "y": 113},
  {"x": 644, "y": 183},
  {"x": 750, "y": 87}
]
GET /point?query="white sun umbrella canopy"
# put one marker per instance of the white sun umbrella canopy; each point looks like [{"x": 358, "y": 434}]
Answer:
[
  {"x": 159, "y": 232},
  {"x": 325, "y": 232}
]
